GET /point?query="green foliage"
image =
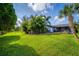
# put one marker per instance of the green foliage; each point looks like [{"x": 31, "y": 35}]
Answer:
[
  {"x": 39, "y": 24},
  {"x": 7, "y": 17},
  {"x": 18, "y": 43},
  {"x": 77, "y": 25},
  {"x": 68, "y": 11},
  {"x": 25, "y": 24},
  {"x": 76, "y": 7},
  {"x": 18, "y": 29},
  {"x": 36, "y": 24}
]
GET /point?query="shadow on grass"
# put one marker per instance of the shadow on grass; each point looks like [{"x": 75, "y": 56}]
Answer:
[
  {"x": 17, "y": 50},
  {"x": 14, "y": 50},
  {"x": 7, "y": 39}
]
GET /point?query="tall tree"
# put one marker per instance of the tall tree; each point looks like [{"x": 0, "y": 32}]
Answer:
[
  {"x": 68, "y": 11},
  {"x": 24, "y": 24},
  {"x": 7, "y": 17},
  {"x": 39, "y": 23},
  {"x": 35, "y": 24}
]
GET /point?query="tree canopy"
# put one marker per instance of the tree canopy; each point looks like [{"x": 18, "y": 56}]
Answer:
[
  {"x": 36, "y": 24},
  {"x": 7, "y": 17}
]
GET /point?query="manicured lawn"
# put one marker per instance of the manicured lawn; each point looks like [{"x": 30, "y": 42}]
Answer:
[{"x": 18, "y": 43}]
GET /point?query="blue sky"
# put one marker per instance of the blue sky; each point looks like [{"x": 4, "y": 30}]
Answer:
[{"x": 24, "y": 9}]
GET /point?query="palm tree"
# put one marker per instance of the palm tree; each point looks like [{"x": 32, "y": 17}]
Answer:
[
  {"x": 39, "y": 23},
  {"x": 24, "y": 25},
  {"x": 68, "y": 11}
]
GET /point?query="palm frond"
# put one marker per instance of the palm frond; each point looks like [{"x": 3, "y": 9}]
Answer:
[{"x": 61, "y": 14}]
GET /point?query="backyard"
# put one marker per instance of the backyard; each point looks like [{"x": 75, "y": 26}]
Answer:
[
  {"x": 21, "y": 44},
  {"x": 37, "y": 30}
]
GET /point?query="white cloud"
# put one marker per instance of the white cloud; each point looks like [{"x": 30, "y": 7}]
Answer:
[
  {"x": 77, "y": 15},
  {"x": 38, "y": 7},
  {"x": 19, "y": 20},
  {"x": 18, "y": 23},
  {"x": 44, "y": 12},
  {"x": 56, "y": 17},
  {"x": 58, "y": 20},
  {"x": 30, "y": 4}
]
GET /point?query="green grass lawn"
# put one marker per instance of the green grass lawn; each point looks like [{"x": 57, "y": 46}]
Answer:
[{"x": 18, "y": 43}]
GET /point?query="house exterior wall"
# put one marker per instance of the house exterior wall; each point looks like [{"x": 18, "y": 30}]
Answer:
[{"x": 61, "y": 29}]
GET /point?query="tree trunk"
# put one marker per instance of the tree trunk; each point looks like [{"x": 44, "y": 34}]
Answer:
[{"x": 72, "y": 26}]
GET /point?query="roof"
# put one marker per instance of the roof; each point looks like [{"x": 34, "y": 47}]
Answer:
[{"x": 60, "y": 25}]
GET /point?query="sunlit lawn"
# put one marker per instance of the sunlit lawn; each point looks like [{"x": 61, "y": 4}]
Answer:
[{"x": 18, "y": 43}]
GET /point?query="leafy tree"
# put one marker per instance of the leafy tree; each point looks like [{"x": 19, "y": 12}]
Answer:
[
  {"x": 36, "y": 24},
  {"x": 77, "y": 25},
  {"x": 39, "y": 24},
  {"x": 68, "y": 11},
  {"x": 7, "y": 17},
  {"x": 25, "y": 25}
]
